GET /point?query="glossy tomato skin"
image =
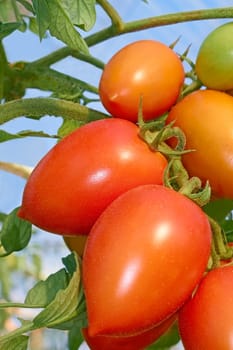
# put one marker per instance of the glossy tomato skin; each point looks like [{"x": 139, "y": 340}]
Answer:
[
  {"x": 143, "y": 257},
  {"x": 214, "y": 63},
  {"x": 147, "y": 69},
  {"x": 84, "y": 172},
  {"x": 205, "y": 116},
  {"x": 206, "y": 320},
  {"x": 134, "y": 342}
]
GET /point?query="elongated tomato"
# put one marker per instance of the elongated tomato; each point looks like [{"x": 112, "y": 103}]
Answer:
[
  {"x": 83, "y": 173},
  {"x": 143, "y": 258}
]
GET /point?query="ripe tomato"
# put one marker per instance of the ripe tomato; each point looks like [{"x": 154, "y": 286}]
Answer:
[
  {"x": 83, "y": 173},
  {"x": 76, "y": 243},
  {"x": 206, "y": 320},
  {"x": 147, "y": 69},
  {"x": 143, "y": 257},
  {"x": 205, "y": 116},
  {"x": 214, "y": 64},
  {"x": 132, "y": 342}
]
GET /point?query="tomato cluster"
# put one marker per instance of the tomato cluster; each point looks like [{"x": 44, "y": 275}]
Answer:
[{"x": 145, "y": 245}]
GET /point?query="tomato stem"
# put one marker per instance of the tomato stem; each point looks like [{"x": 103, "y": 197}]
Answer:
[{"x": 219, "y": 239}]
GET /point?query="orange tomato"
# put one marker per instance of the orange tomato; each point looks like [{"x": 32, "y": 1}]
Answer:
[
  {"x": 206, "y": 117},
  {"x": 147, "y": 69}
]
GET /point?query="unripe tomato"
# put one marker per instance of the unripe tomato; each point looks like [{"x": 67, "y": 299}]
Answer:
[
  {"x": 206, "y": 117},
  {"x": 132, "y": 342},
  {"x": 147, "y": 69},
  {"x": 143, "y": 258},
  {"x": 206, "y": 320},
  {"x": 84, "y": 172},
  {"x": 214, "y": 64},
  {"x": 76, "y": 243}
]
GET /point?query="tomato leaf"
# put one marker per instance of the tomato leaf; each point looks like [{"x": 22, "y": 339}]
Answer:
[
  {"x": 15, "y": 233},
  {"x": 170, "y": 338},
  {"x": 218, "y": 209},
  {"x": 75, "y": 338},
  {"x": 45, "y": 291},
  {"x": 6, "y": 136},
  {"x": 68, "y": 126},
  {"x": 227, "y": 226},
  {"x": 62, "y": 28},
  {"x": 82, "y": 12},
  {"x": 7, "y": 28},
  {"x": 16, "y": 343},
  {"x": 64, "y": 306},
  {"x": 42, "y": 16},
  {"x": 27, "y": 5}
]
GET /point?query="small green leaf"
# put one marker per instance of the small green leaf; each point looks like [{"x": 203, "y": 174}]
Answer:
[
  {"x": 82, "y": 12},
  {"x": 170, "y": 338},
  {"x": 64, "y": 307},
  {"x": 75, "y": 338},
  {"x": 62, "y": 27},
  {"x": 44, "y": 292},
  {"x": 16, "y": 233},
  {"x": 2, "y": 216},
  {"x": 27, "y": 5},
  {"x": 7, "y": 28},
  {"x": 68, "y": 126},
  {"x": 6, "y": 136},
  {"x": 16, "y": 343},
  {"x": 42, "y": 16},
  {"x": 218, "y": 209}
]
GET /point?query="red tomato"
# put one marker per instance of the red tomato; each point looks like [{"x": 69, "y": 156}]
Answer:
[
  {"x": 83, "y": 173},
  {"x": 206, "y": 320},
  {"x": 143, "y": 257},
  {"x": 132, "y": 342},
  {"x": 206, "y": 117},
  {"x": 147, "y": 69}
]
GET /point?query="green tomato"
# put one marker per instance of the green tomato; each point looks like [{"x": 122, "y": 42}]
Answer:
[{"x": 214, "y": 63}]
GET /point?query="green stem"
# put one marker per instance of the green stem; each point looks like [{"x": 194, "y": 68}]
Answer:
[
  {"x": 219, "y": 239},
  {"x": 112, "y": 13},
  {"x": 64, "y": 52},
  {"x": 3, "y": 68},
  {"x": 37, "y": 107},
  {"x": 157, "y": 21},
  {"x": 27, "y": 327},
  {"x": 20, "y": 305}
]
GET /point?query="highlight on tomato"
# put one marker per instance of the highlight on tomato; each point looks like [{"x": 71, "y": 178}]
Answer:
[
  {"x": 83, "y": 173},
  {"x": 143, "y": 258},
  {"x": 214, "y": 63},
  {"x": 205, "y": 116},
  {"x": 132, "y": 342},
  {"x": 146, "y": 69},
  {"x": 206, "y": 320}
]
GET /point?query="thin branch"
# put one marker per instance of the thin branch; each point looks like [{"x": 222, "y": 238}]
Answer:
[
  {"x": 112, "y": 13},
  {"x": 157, "y": 21},
  {"x": 16, "y": 169},
  {"x": 64, "y": 52}
]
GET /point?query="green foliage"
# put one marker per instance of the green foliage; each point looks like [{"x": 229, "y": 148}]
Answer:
[
  {"x": 170, "y": 338},
  {"x": 15, "y": 233}
]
